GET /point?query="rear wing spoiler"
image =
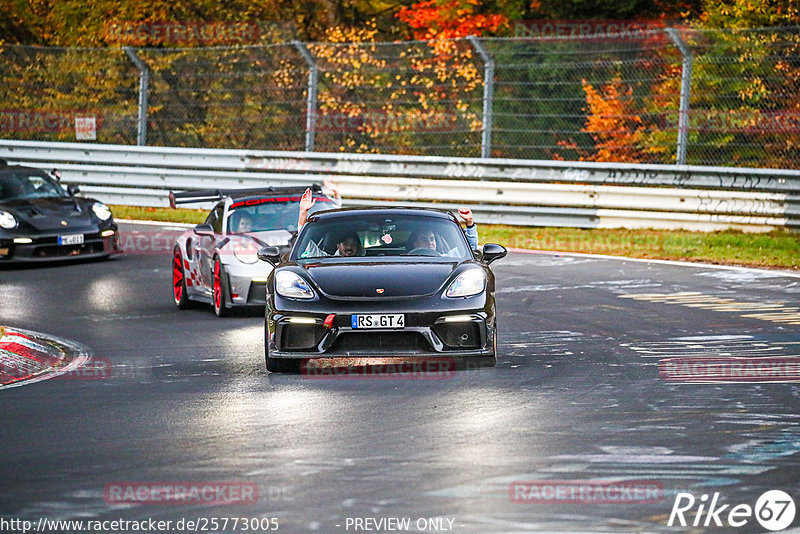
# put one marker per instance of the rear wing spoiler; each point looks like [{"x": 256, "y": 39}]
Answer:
[{"x": 210, "y": 195}]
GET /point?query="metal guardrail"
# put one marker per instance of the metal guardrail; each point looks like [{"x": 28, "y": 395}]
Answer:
[{"x": 521, "y": 192}]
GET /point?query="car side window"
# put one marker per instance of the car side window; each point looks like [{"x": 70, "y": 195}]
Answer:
[
  {"x": 215, "y": 219},
  {"x": 217, "y": 225}
]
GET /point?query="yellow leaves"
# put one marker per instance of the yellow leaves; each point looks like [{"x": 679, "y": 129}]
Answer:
[
  {"x": 343, "y": 34},
  {"x": 755, "y": 89}
]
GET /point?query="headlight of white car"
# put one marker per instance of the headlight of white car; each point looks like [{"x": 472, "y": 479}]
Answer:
[
  {"x": 246, "y": 252},
  {"x": 102, "y": 211},
  {"x": 288, "y": 284},
  {"x": 468, "y": 283},
  {"x": 7, "y": 221}
]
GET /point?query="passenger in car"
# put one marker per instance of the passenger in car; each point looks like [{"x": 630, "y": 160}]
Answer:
[
  {"x": 242, "y": 223},
  {"x": 471, "y": 231},
  {"x": 347, "y": 245}
]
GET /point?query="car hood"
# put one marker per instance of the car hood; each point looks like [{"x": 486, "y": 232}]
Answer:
[
  {"x": 52, "y": 213},
  {"x": 364, "y": 279}
]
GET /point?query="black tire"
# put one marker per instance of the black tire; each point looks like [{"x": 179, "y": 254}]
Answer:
[
  {"x": 220, "y": 292},
  {"x": 179, "y": 295}
]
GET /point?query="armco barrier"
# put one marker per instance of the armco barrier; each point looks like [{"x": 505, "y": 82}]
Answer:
[{"x": 523, "y": 192}]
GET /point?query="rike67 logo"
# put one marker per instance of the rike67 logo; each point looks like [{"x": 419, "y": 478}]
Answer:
[{"x": 774, "y": 510}]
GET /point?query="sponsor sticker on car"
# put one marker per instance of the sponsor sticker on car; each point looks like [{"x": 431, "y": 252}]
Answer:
[
  {"x": 396, "y": 320},
  {"x": 75, "y": 239}
]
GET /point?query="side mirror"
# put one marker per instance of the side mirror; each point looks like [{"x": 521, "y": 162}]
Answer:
[
  {"x": 270, "y": 254},
  {"x": 73, "y": 190},
  {"x": 205, "y": 230},
  {"x": 492, "y": 252}
]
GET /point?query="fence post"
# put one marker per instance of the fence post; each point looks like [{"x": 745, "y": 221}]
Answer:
[
  {"x": 488, "y": 96},
  {"x": 686, "y": 82},
  {"x": 311, "y": 99},
  {"x": 144, "y": 83}
]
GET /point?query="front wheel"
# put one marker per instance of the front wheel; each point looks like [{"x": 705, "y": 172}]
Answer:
[
  {"x": 220, "y": 291},
  {"x": 179, "y": 296}
]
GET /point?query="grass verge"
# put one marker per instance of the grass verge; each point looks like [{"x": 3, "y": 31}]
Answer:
[{"x": 778, "y": 249}]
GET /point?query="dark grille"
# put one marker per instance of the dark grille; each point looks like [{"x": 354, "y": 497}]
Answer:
[
  {"x": 459, "y": 335},
  {"x": 61, "y": 251},
  {"x": 381, "y": 341},
  {"x": 299, "y": 337}
]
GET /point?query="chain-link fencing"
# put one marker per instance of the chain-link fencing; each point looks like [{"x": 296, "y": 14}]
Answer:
[{"x": 679, "y": 95}]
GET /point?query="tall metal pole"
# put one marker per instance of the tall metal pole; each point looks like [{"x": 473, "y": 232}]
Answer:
[
  {"x": 686, "y": 83},
  {"x": 488, "y": 97},
  {"x": 311, "y": 99},
  {"x": 144, "y": 83}
]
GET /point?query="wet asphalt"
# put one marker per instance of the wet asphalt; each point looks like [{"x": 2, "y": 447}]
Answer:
[{"x": 577, "y": 396}]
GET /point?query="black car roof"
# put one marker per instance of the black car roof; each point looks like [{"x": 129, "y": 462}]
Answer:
[
  {"x": 13, "y": 168},
  {"x": 381, "y": 211}
]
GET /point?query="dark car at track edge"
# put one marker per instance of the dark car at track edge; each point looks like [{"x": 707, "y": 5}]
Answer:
[{"x": 42, "y": 221}]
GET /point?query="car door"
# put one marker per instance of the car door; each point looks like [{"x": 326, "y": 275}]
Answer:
[{"x": 206, "y": 248}]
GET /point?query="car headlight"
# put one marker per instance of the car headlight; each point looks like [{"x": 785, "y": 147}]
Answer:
[
  {"x": 289, "y": 284},
  {"x": 468, "y": 283},
  {"x": 102, "y": 211},
  {"x": 246, "y": 252},
  {"x": 7, "y": 221}
]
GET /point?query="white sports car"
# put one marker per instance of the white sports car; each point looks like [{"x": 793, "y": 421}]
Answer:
[{"x": 215, "y": 262}]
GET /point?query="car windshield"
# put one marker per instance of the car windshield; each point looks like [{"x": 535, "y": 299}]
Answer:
[
  {"x": 381, "y": 235},
  {"x": 267, "y": 214},
  {"x": 16, "y": 185}
]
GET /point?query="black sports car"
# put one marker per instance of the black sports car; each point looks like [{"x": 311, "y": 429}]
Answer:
[
  {"x": 364, "y": 282},
  {"x": 41, "y": 221}
]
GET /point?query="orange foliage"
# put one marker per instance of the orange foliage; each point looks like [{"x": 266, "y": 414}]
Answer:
[
  {"x": 617, "y": 130},
  {"x": 448, "y": 19}
]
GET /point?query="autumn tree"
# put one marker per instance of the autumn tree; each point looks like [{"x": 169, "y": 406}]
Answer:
[
  {"x": 745, "y": 110},
  {"x": 449, "y": 19}
]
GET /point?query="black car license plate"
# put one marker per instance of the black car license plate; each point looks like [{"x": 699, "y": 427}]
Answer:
[{"x": 395, "y": 320}]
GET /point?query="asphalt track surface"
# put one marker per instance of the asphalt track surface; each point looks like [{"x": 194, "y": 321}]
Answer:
[{"x": 577, "y": 395}]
